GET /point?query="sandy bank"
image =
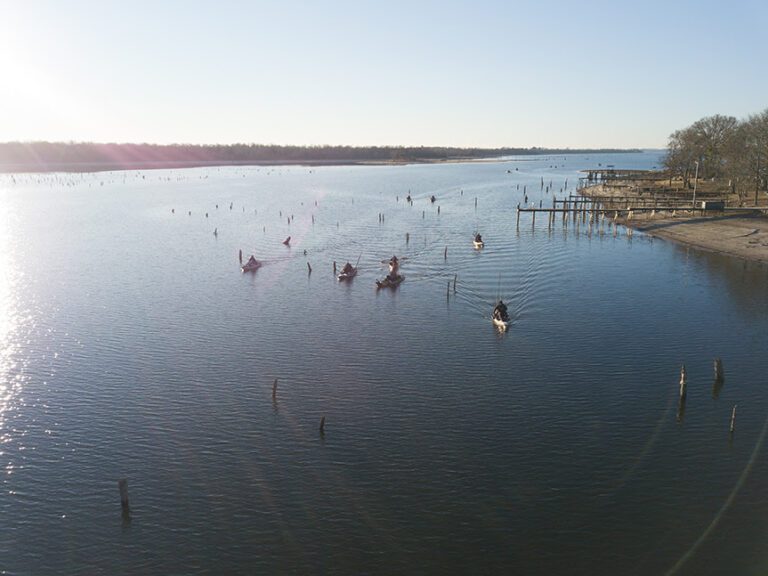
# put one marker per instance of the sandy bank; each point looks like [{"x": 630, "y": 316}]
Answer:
[
  {"x": 743, "y": 236},
  {"x": 740, "y": 234}
]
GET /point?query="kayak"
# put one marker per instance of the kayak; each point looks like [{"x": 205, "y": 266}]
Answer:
[
  {"x": 347, "y": 275},
  {"x": 388, "y": 283},
  {"x": 251, "y": 266}
]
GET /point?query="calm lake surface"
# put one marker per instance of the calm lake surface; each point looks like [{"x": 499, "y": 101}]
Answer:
[{"x": 131, "y": 346}]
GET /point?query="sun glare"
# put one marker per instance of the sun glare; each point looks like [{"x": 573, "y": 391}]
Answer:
[
  {"x": 6, "y": 274},
  {"x": 7, "y": 317},
  {"x": 35, "y": 101}
]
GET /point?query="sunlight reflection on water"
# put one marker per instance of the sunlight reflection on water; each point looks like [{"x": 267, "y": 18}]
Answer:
[{"x": 11, "y": 377}]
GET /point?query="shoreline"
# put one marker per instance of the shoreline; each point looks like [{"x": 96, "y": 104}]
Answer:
[
  {"x": 739, "y": 234},
  {"x": 46, "y": 157},
  {"x": 82, "y": 167},
  {"x": 88, "y": 167}
]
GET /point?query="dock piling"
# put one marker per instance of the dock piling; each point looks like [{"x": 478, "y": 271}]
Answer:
[
  {"x": 719, "y": 376},
  {"x": 122, "y": 484},
  {"x": 683, "y": 381}
]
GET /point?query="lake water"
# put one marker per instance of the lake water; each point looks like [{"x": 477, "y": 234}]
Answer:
[{"x": 131, "y": 346}]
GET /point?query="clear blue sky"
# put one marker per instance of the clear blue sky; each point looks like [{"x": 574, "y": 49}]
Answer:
[{"x": 459, "y": 73}]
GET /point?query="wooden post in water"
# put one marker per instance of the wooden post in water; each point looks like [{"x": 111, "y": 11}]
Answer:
[
  {"x": 518, "y": 215},
  {"x": 240, "y": 254},
  {"x": 274, "y": 390},
  {"x": 122, "y": 484},
  {"x": 448, "y": 291},
  {"x": 683, "y": 381},
  {"x": 455, "y": 276},
  {"x": 533, "y": 223},
  {"x": 719, "y": 376},
  {"x": 407, "y": 238},
  {"x": 445, "y": 253},
  {"x": 309, "y": 268},
  {"x": 717, "y": 385},
  {"x": 733, "y": 419},
  {"x": 334, "y": 267},
  {"x": 322, "y": 426}
]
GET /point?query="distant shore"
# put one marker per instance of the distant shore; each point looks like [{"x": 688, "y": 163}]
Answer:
[
  {"x": 176, "y": 164},
  {"x": 110, "y": 167},
  {"x": 98, "y": 157},
  {"x": 741, "y": 234}
]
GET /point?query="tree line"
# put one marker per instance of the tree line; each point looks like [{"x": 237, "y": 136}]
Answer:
[
  {"x": 90, "y": 155},
  {"x": 723, "y": 148}
]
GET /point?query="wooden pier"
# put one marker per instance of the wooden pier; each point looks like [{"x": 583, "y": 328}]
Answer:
[
  {"x": 582, "y": 207},
  {"x": 610, "y": 174},
  {"x": 620, "y": 194}
]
